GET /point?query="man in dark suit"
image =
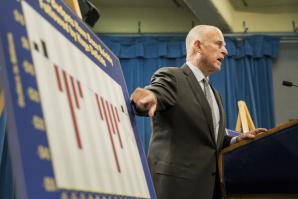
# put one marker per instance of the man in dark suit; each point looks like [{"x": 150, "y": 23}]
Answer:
[{"x": 188, "y": 120}]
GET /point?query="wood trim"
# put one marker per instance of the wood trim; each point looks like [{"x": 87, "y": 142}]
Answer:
[
  {"x": 264, "y": 196},
  {"x": 265, "y": 134}
]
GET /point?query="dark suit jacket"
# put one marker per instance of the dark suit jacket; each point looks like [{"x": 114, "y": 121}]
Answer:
[{"x": 182, "y": 153}]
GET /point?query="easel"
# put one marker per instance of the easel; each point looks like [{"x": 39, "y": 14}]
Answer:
[
  {"x": 74, "y": 5},
  {"x": 244, "y": 118},
  {"x": 1, "y": 102}
]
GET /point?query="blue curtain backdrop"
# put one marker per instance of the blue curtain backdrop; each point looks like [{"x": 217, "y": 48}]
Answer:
[
  {"x": 246, "y": 72},
  {"x": 140, "y": 57},
  {"x": 6, "y": 184}
]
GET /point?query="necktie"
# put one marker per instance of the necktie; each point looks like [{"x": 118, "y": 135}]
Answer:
[{"x": 207, "y": 93}]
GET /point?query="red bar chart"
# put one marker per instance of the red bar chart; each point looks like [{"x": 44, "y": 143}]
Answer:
[{"x": 91, "y": 139}]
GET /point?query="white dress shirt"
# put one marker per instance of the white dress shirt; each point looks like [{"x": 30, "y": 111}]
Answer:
[{"x": 199, "y": 76}]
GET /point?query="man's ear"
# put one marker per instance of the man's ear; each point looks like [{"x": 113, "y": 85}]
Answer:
[{"x": 197, "y": 46}]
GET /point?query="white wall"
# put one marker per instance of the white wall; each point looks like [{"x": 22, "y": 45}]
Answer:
[
  {"x": 153, "y": 20},
  {"x": 286, "y": 68}
]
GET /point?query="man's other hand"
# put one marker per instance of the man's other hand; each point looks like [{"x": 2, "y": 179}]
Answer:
[
  {"x": 250, "y": 135},
  {"x": 145, "y": 100}
]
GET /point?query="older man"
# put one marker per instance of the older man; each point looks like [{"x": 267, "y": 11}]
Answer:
[{"x": 188, "y": 120}]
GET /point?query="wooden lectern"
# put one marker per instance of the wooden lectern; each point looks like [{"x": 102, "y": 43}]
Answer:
[{"x": 264, "y": 168}]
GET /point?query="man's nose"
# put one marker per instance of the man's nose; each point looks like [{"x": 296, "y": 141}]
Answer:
[{"x": 224, "y": 51}]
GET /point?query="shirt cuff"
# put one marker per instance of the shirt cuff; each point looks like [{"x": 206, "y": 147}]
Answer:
[
  {"x": 234, "y": 135},
  {"x": 233, "y": 140}
]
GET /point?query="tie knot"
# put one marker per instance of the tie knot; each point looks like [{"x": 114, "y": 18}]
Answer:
[{"x": 205, "y": 81}]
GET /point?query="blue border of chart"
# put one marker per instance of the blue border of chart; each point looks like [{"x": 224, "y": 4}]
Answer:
[{"x": 28, "y": 169}]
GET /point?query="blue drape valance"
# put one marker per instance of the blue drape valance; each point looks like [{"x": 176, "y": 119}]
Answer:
[
  {"x": 174, "y": 47},
  {"x": 146, "y": 47}
]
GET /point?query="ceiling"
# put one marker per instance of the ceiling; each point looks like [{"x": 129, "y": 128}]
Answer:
[
  {"x": 266, "y": 6},
  {"x": 211, "y": 11},
  {"x": 139, "y": 3}
]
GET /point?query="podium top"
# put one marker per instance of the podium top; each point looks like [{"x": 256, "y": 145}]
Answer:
[{"x": 260, "y": 136}]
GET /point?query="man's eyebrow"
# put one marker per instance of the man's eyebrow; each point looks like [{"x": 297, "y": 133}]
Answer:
[{"x": 221, "y": 42}]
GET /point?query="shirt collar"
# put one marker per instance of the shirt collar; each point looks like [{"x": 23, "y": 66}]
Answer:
[{"x": 197, "y": 72}]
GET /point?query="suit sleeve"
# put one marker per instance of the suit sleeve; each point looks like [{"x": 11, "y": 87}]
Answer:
[
  {"x": 164, "y": 86},
  {"x": 227, "y": 141},
  {"x": 227, "y": 138}
]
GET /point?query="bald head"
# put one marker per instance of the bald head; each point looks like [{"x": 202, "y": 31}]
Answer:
[
  {"x": 206, "y": 49},
  {"x": 198, "y": 33}
]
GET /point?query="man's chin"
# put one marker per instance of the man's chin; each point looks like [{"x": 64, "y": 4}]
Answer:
[
  {"x": 217, "y": 68},
  {"x": 214, "y": 68}
]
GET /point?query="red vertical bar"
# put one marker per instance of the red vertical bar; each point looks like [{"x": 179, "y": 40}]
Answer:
[
  {"x": 98, "y": 105},
  {"x": 116, "y": 110},
  {"x": 111, "y": 138},
  {"x": 58, "y": 77},
  {"x": 73, "y": 116},
  {"x": 116, "y": 125},
  {"x": 74, "y": 92},
  {"x": 80, "y": 89},
  {"x": 110, "y": 118}
]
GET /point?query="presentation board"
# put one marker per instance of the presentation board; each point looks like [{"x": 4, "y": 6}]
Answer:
[{"x": 71, "y": 132}]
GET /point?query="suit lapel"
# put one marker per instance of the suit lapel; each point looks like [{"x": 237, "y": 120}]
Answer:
[
  {"x": 221, "y": 116},
  {"x": 198, "y": 93}
]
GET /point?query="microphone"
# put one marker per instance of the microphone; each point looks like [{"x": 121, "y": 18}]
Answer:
[{"x": 289, "y": 84}]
